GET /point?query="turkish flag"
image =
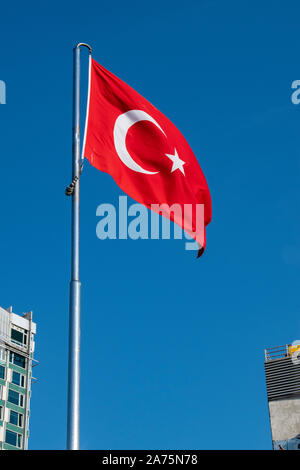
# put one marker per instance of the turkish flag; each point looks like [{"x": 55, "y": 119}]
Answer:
[{"x": 147, "y": 156}]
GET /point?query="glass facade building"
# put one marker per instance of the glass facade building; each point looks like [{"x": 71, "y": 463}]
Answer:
[{"x": 17, "y": 334}]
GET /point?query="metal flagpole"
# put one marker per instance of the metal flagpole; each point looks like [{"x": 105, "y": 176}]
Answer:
[{"x": 73, "y": 420}]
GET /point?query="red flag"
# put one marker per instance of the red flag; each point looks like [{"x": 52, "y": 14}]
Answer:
[{"x": 150, "y": 160}]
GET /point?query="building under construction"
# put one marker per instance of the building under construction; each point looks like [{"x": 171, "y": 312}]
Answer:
[{"x": 282, "y": 368}]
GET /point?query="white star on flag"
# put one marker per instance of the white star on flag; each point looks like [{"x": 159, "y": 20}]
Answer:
[{"x": 177, "y": 162}]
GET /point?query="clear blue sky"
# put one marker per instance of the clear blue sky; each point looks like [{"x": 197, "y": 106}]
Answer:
[{"x": 172, "y": 346}]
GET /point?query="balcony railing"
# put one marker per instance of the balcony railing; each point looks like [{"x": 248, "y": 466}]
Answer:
[{"x": 279, "y": 352}]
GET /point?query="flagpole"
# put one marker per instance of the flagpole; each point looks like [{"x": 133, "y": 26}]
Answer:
[{"x": 73, "y": 419}]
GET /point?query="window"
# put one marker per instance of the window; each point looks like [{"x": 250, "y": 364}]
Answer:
[
  {"x": 16, "y": 418},
  {"x": 2, "y": 354},
  {"x": 2, "y": 372},
  {"x": 1, "y": 412},
  {"x": 17, "y": 359},
  {"x": 13, "y": 438},
  {"x": 15, "y": 397},
  {"x": 18, "y": 379},
  {"x": 18, "y": 336}
]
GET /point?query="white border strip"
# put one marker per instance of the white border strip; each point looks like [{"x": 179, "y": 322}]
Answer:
[{"x": 87, "y": 109}]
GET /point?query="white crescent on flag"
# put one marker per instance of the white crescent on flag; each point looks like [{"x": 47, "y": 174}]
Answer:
[{"x": 121, "y": 127}]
